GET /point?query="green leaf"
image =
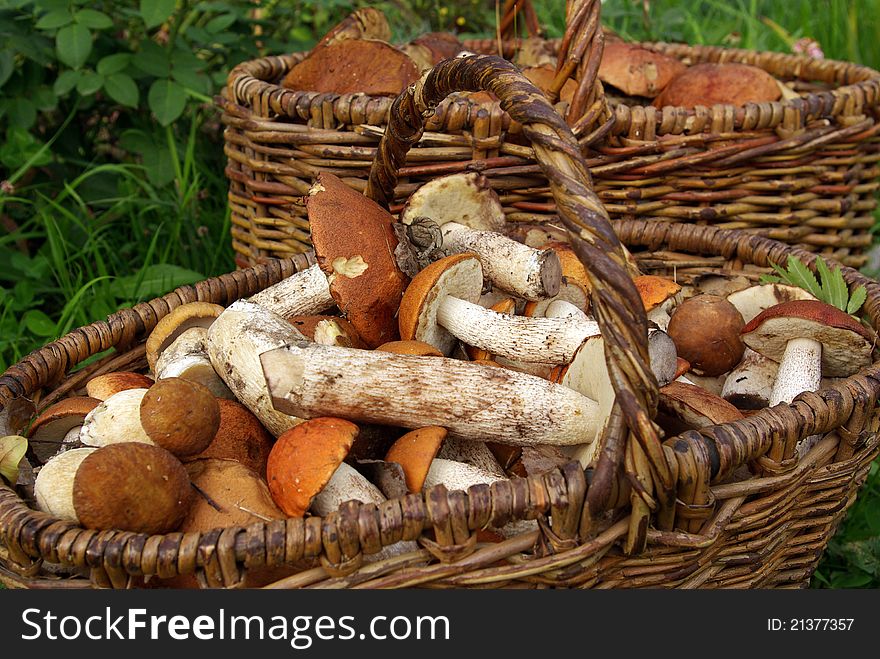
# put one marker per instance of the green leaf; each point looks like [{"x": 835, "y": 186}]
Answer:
[
  {"x": 54, "y": 19},
  {"x": 39, "y": 323},
  {"x": 156, "y": 159},
  {"x": 167, "y": 99},
  {"x": 22, "y": 113},
  {"x": 7, "y": 66},
  {"x": 12, "y": 450},
  {"x": 18, "y": 148},
  {"x": 73, "y": 43},
  {"x": 833, "y": 284},
  {"x": 115, "y": 63},
  {"x": 44, "y": 98},
  {"x": 802, "y": 276},
  {"x": 66, "y": 81},
  {"x": 122, "y": 89},
  {"x": 192, "y": 80},
  {"x": 153, "y": 281},
  {"x": 156, "y": 12},
  {"x": 856, "y": 300},
  {"x": 220, "y": 23},
  {"x": 89, "y": 83},
  {"x": 153, "y": 59},
  {"x": 96, "y": 20}
]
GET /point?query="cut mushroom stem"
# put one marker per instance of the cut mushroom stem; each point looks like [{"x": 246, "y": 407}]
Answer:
[
  {"x": 748, "y": 386},
  {"x": 472, "y": 401},
  {"x": 305, "y": 293},
  {"x": 511, "y": 266},
  {"x": 800, "y": 370}
]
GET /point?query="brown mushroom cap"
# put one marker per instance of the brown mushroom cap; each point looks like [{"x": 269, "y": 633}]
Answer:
[
  {"x": 103, "y": 386},
  {"x": 322, "y": 329},
  {"x": 706, "y": 332},
  {"x": 227, "y": 494},
  {"x": 303, "y": 460},
  {"x": 354, "y": 242},
  {"x": 637, "y": 71},
  {"x": 542, "y": 77},
  {"x": 410, "y": 347},
  {"x": 180, "y": 319},
  {"x": 366, "y": 66},
  {"x": 655, "y": 290},
  {"x": 132, "y": 486},
  {"x": 684, "y": 406},
  {"x": 48, "y": 430},
  {"x": 240, "y": 437},
  {"x": 846, "y": 343},
  {"x": 180, "y": 415},
  {"x": 414, "y": 451},
  {"x": 711, "y": 84},
  {"x": 433, "y": 47},
  {"x": 458, "y": 275}
]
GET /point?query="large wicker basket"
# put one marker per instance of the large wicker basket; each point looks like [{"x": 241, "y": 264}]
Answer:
[
  {"x": 802, "y": 171},
  {"x": 650, "y": 513}
]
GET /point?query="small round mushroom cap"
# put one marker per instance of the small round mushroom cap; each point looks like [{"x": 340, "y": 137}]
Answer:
[
  {"x": 180, "y": 319},
  {"x": 227, "y": 494},
  {"x": 458, "y": 275},
  {"x": 410, "y": 347},
  {"x": 180, "y": 415},
  {"x": 50, "y": 427},
  {"x": 414, "y": 451},
  {"x": 132, "y": 486},
  {"x": 240, "y": 437},
  {"x": 303, "y": 460},
  {"x": 725, "y": 84},
  {"x": 53, "y": 487},
  {"x": 846, "y": 343},
  {"x": 104, "y": 386},
  {"x": 467, "y": 199},
  {"x": 706, "y": 331},
  {"x": 637, "y": 71},
  {"x": 655, "y": 290},
  {"x": 354, "y": 243}
]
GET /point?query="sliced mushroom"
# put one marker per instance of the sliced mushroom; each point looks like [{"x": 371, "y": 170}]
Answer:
[
  {"x": 49, "y": 430},
  {"x": 689, "y": 407},
  {"x": 471, "y": 218}
]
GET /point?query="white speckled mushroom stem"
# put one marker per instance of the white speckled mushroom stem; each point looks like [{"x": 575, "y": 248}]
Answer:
[
  {"x": 472, "y": 401},
  {"x": 520, "y": 338},
  {"x": 305, "y": 293},
  {"x": 187, "y": 358},
  {"x": 115, "y": 420},
  {"x": 800, "y": 370},
  {"x": 476, "y": 454},
  {"x": 749, "y": 384},
  {"x": 348, "y": 484},
  {"x": 565, "y": 309},
  {"x": 235, "y": 341},
  {"x": 511, "y": 266}
]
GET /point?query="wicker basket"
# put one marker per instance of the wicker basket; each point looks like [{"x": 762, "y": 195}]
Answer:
[
  {"x": 802, "y": 171},
  {"x": 678, "y": 513}
]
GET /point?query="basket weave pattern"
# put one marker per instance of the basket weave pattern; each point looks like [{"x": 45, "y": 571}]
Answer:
[{"x": 803, "y": 171}]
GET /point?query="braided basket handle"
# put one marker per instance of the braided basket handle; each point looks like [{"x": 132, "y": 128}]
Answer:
[{"x": 632, "y": 440}]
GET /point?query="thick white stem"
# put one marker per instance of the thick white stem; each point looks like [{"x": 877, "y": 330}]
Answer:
[
  {"x": 476, "y": 454},
  {"x": 748, "y": 386},
  {"x": 187, "y": 358},
  {"x": 472, "y": 401},
  {"x": 520, "y": 338},
  {"x": 511, "y": 266},
  {"x": 235, "y": 341},
  {"x": 305, "y": 293},
  {"x": 800, "y": 370}
]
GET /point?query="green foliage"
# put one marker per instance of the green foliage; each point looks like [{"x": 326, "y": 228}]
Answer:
[{"x": 830, "y": 287}]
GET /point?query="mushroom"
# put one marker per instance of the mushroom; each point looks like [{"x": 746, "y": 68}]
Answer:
[
  {"x": 470, "y": 400},
  {"x": 685, "y": 406},
  {"x": 53, "y": 487},
  {"x": 175, "y": 323},
  {"x": 753, "y": 300},
  {"x": 706, "y": 331},
  {"x": 180, "y": 416},
  {"x": 507, "y": 306},
  {"x": 476, "y": 454},
  {"x": 637, "y": 71},
  {"x": 414, "y": 452},
  {"x": 410, "y": 347},
  {"x": 659, "y": 296},
  {"x": 431, "y": 48},
  {"x": 439, "y": 306},
  {"x": 103, "y": 386},
  {"x": 49, "y": 430},
  {"x": 471, "y": 219},
  {"x": 131, "y": 486},
  {"x": 749, "y": 384},
  {"x": 240, "y": 437},
  {"x": 328, "y": 331},
  {"x": 115, "y": 420},
  {"x": 808, "y": 339},
  {"x": 711, "y": 84},
  {"x": 187, "y": 358}
]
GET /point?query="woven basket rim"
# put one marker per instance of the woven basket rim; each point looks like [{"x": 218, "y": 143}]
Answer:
[
  {"x": 638, "y": 232},
  {"x": 847, "y": 99}
]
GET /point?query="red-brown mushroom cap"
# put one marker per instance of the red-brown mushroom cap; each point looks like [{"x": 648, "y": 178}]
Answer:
[
  {"x": 637, "y": 71},
  {"x": 846, "y": 343},
  {"x": 726, "y": 84},
  {"x": 655, "y": 290},
  {"x": 101, "y": 387},
  {"x": 354, "y": 243}
]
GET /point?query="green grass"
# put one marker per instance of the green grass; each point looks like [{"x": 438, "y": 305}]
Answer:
[{"x": 77, "y": 247}]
